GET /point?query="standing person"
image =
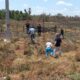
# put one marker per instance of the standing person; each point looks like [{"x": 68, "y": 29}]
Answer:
[
  {"x": 39, "y": 30},
  {"x": 27, "y": 27},
  {"x": 62, "y": 33},
  {"x": 58, "y": 42},
  {"x": 32, "y": 33},
  {"x": 49, "y": 49}
]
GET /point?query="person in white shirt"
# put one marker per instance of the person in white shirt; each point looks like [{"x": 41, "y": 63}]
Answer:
[
  {"x": 32, "y": 33},
  {"x": 49, "y": 49}
]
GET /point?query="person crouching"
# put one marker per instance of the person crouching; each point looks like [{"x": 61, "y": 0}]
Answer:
[{"x": 49, "y": 49}]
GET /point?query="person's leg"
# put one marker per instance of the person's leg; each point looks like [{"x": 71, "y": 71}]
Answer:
[
  {"x": 32, "y": 38},
  {"x": 27, "y": 31},
  {"x": 39, "y": 33},
  {"x": 60, "y": 52},
  {"x": 47, "y": 51},
  {"x": 51, "y": 52},
  {"x": 54, "y": 52},
  {"x": 56, "y": 49}
]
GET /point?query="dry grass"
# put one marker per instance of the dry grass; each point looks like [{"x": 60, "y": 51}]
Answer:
[
  {"x": 77, "y": 56},
  {"x": 22, "y": 60}
]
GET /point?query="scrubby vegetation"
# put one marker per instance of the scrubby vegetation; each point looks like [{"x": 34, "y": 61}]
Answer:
[{"x": 21, "y": 60}]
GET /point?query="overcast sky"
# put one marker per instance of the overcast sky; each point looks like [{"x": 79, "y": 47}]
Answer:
[{"x": 66, "y": 7}]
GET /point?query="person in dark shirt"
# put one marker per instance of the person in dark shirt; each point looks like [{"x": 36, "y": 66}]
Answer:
[
  {"x": 58, "y": 42},
  {"x": 39, "y": 30},
  {"x": 27, "y": 27}
]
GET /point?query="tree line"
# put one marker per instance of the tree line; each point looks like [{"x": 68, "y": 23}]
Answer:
[
  {"x": 26, "y": 15},
  {"x": 16, "y": 14}
]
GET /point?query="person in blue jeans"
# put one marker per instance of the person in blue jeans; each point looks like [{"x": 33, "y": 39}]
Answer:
[{"x": 49, "y": 49}]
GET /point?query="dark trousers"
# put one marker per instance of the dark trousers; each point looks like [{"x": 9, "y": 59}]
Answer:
[
  {"x": 39, "y": 33},
  {"x": 32, "y": 38}
]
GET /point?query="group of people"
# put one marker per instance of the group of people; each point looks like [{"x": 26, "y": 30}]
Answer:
[
  {"x": 31, "y": 30},
  {"x": 56, "y": 50},
  {"x": 49, "y": 50}
]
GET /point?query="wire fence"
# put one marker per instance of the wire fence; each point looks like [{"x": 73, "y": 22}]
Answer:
[{"x": 18, "y": 29}]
